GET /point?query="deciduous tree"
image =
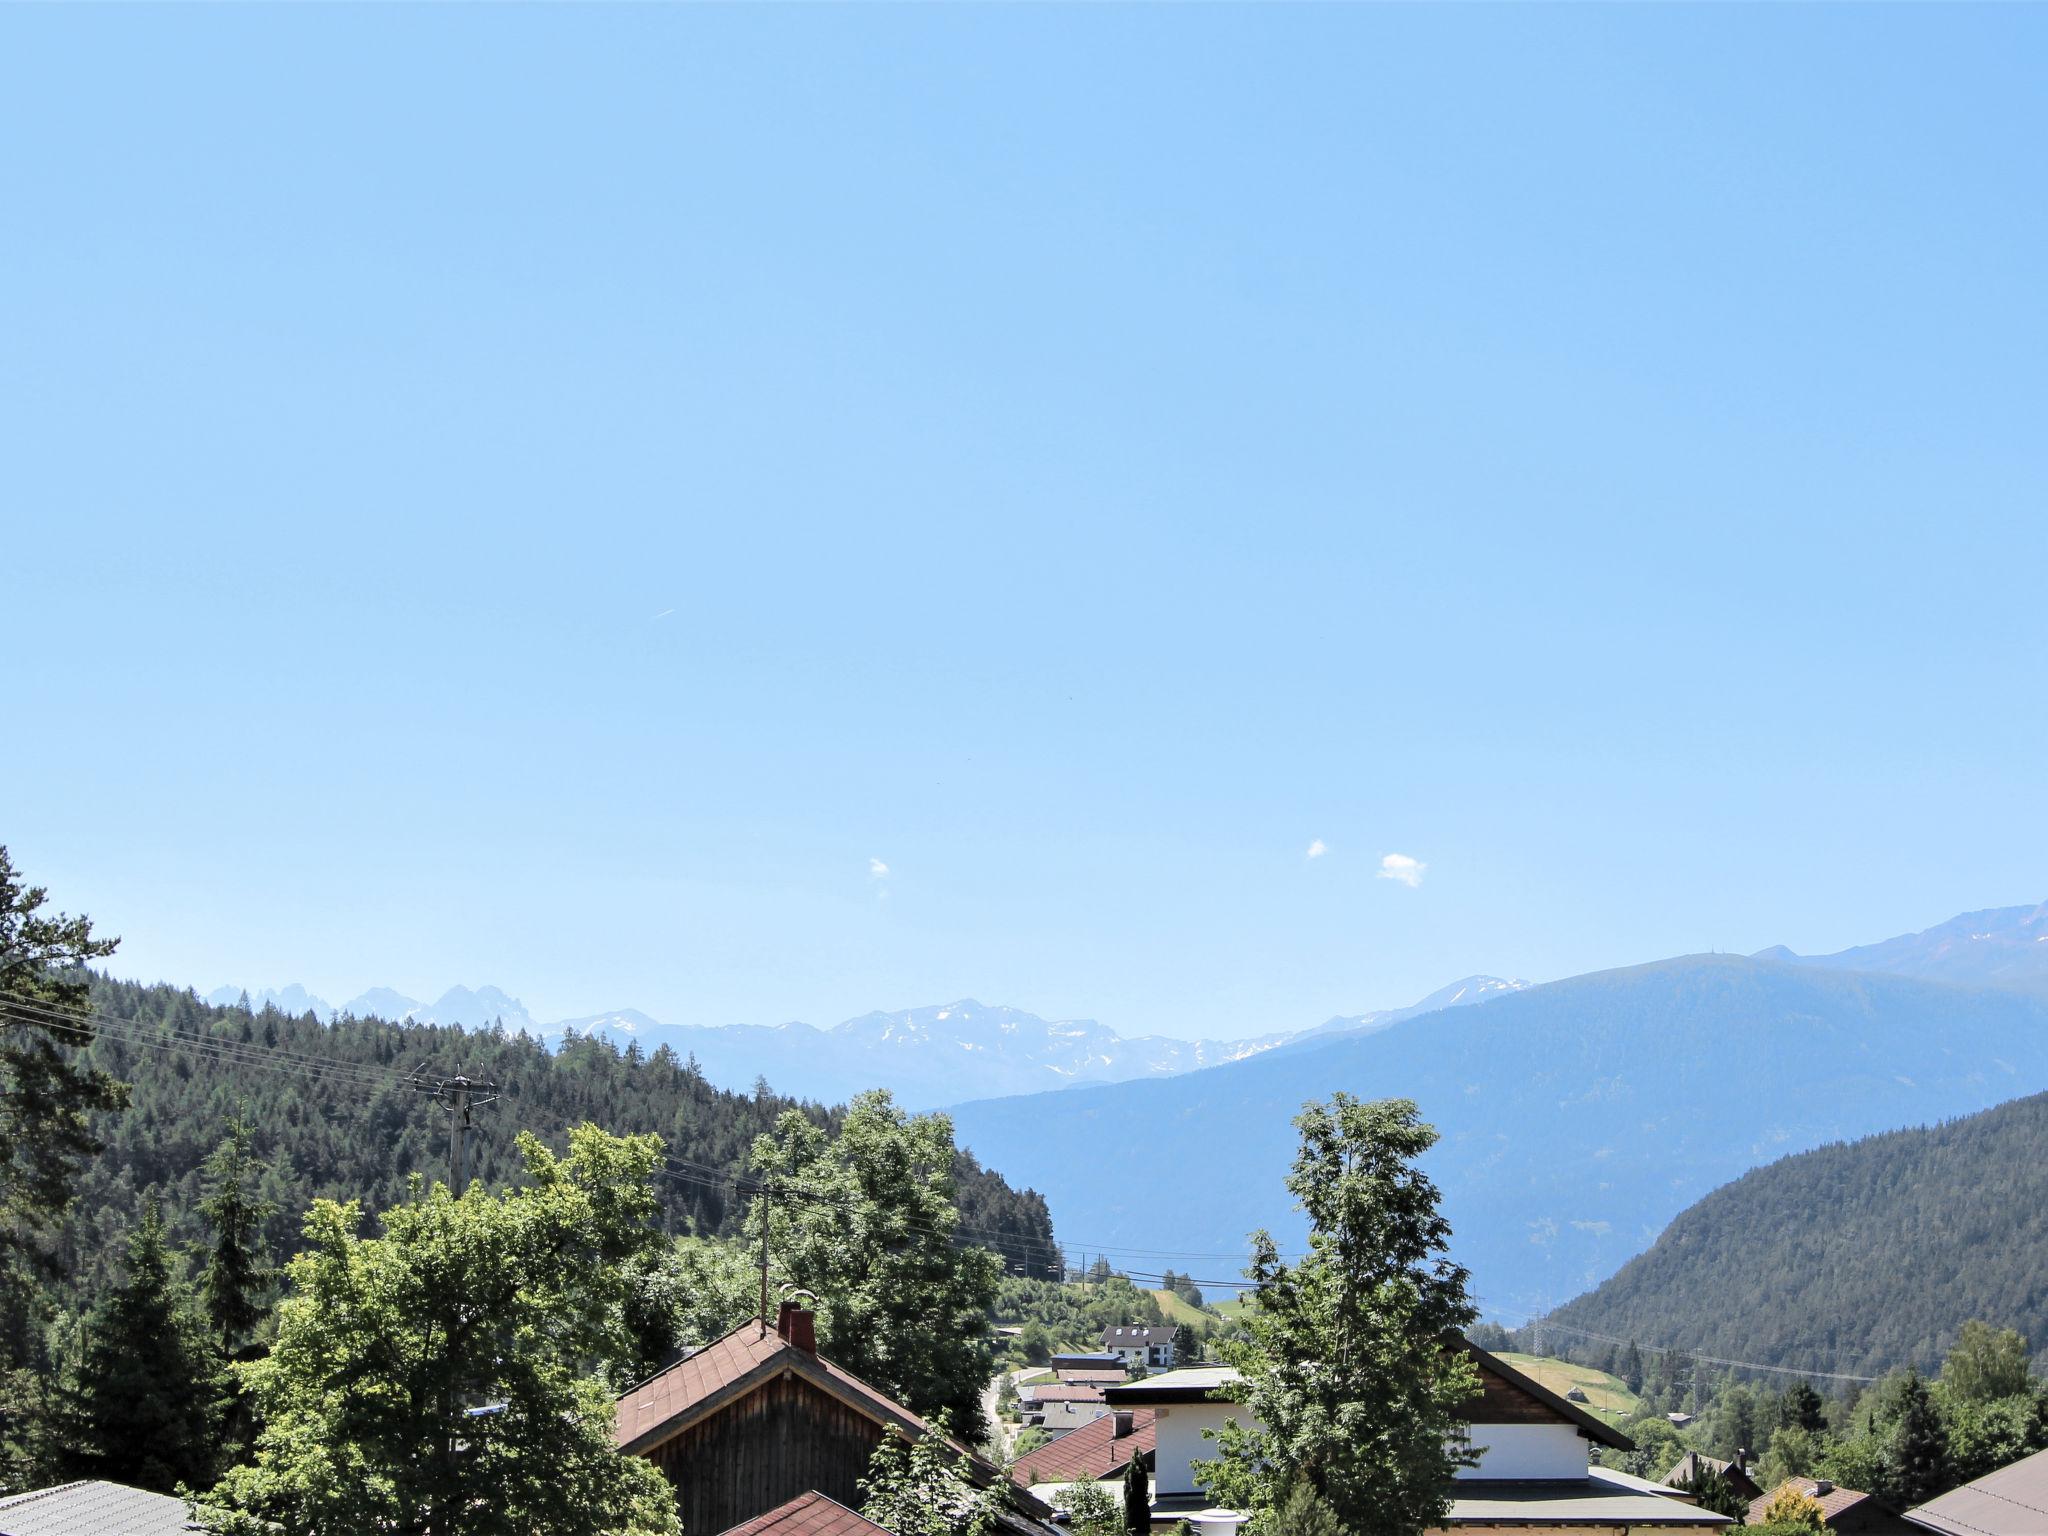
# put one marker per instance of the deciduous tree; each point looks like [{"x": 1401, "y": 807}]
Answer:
[
  {"x": 866, "y": 1223},
  {"x": 455, "y": 1376},
  {"x": 1352, "y": 1368}
]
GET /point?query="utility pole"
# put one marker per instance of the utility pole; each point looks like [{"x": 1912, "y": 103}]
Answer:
[
  {"x": 765, "y": 1188},
  {"x": 461, "y": 1095}
]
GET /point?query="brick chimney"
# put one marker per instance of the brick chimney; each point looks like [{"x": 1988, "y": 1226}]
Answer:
[{"x": 799, "y": 1325}]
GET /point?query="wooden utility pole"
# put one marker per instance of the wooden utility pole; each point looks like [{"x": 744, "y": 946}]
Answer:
[{"x": 764, "y": 1260}]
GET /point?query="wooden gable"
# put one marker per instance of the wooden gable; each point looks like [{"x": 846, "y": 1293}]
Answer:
[{"x": 784, "y": 1438}]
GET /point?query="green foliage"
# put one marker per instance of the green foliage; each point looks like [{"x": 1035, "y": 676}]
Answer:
[
  {"x": 1348, "y": 1369},
  {"x": 237, "y": 1275},
  {"x": 1844, "y": 1258},
  {"x": 1658, "y": 1447},
  {"x": 51, "y": 1090},
  {"x": 1306, "y": 1513},
  {"x": 1793, "y": 1509},
  {"x": 689, "y": 1291},
  {"x": 922, "y": 1488},
  {"x": 1986, "y": 1363},
  {"x": 1794, "y": 1452},
  {"x": 135, "y": 1403},
  {"x": 1137, "y": 1498},
  {"x": 865, "y": 1222},
  {"x": 1712, "y": 1490},
  {"x": 1090, "y": 1510},
  {"x": 1984, "y": 1435},
  {"x": 1187, "y": 1344},
  {"x": 1065, "y": 1318},
  {"x": 456, "y": 1374},
  {"x": 1801, "y": 1407},
  {"x": 319, "y": 1140}
]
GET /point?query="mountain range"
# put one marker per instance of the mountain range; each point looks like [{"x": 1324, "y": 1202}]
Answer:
[
  {"x": 1577, "y": 1118},
  {"x": 1999, "y": 947},
  {"x": 927, "y": 1056}
]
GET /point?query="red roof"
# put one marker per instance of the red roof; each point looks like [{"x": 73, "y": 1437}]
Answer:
[
  {"x": 808, "y": 1514},
  {"x": 1089, "y": 1453},
  {"x": 734, "y": 1366}
]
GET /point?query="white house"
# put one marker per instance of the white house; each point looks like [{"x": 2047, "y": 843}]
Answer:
[
  {"x": 1148, "y": 1348},
  {"x": 1533, "y": 1472}
]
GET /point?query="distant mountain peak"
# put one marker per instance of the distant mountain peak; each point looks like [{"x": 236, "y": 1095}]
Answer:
[{"x": 1994, "y": 947}]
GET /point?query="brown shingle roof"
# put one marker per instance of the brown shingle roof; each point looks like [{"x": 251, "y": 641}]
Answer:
[
  {"x": 1088, "y": 1453},
  {"x": 735, "y": 1365},
  {"x": 1834, "y": 1504},
  {"x": 808, "y": 1514}
]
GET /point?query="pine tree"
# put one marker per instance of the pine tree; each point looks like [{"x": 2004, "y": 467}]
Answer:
[
  {"x": 48, "y": 1090},
  {"x": 1632, "y": 1367},
  {"x": 1137, "y": 1498},
  {"x": 1917, "y": 1463},
  {"x": 1802, "y": 1408},
  {"x": 236, "y": 1276},
  {"x": 1306, "y": 1513},
  {"x": 138, "y": 1409}
]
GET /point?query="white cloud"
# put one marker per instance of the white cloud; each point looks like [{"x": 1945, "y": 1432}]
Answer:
[
  {"x": 1318, "y": 848},
  {"x": 1398, "y": 866},
  {"x": 878, "y": 869}
]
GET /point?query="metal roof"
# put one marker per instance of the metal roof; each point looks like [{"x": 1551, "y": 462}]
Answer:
[
  {"x": 2013, "y": 1501},
  {"x": 92, "y": 1509},
  {"x": 1572, "y": 1501},
  {"x": 1188, "y": 1384}
]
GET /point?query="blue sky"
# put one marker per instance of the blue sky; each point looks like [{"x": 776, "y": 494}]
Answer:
[{"x": 554, "y": 496}]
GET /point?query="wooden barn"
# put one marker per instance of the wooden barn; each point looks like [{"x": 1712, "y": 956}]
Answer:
[{"x": 759, "y": 1418}]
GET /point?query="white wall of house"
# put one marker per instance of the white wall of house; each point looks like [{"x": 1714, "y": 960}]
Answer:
[
  {"x": 1181, "y": 1443},
  {"x": 1526, "y": 1451}
]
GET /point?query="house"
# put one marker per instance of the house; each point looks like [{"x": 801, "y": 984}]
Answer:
[
  {"x": 1040, "y": 1396},
  {"x": 2013, "y": 1501},
  {"x": 1058, "y": 1419},
  {"x": 1140, "y": 1348},
  {"x": 1533, "y": 1471},
  {"x": 1850, "y": 1513},
  {"x": 102, "y": 1509},
  {"x": 759, "y": 1418},
  {"x": 1093, "y": 1378},
  {"x": 1092, "y": 1360},
  {"x": 1097, "y": 1452},
  {"x": 810, "y": 1514},
  {"x": 1736, "y": 1472}
]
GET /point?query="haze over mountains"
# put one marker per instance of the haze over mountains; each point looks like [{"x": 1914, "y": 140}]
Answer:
[
  {"x": 1999, "y": 947},
  {"x": 926, "y": 1056},
  {"x": 1578, "y": 1117}
]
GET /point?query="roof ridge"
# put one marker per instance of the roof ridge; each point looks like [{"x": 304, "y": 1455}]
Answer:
[{"x": 16, "y": 1500}]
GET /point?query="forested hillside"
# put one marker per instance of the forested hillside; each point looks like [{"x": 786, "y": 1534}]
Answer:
[
  {"x": 1856, "y": 1257},
  {"x": 344, "y": 1111},
  {"x": 1578, "y": 1118}
]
